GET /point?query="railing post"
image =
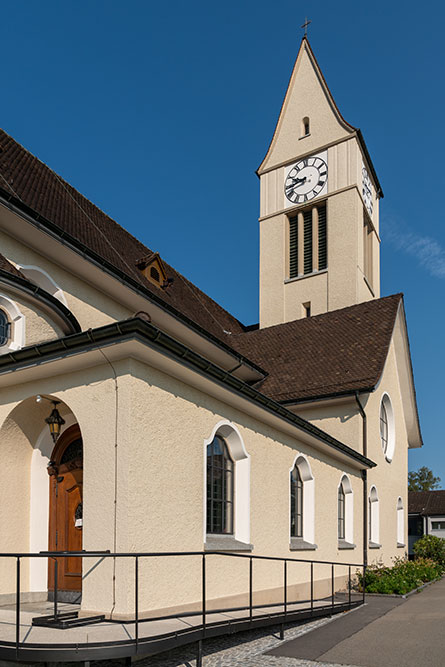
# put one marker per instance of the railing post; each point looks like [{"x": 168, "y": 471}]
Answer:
[
  {"x": 136, "y": 601},
  {"x": 250, "y": 588},
  {"x": 17, "y": 610},
  {"x": 332, "y": 586},
  {"x": 203, "y": 595},
  {"x": 285, "y": 600},
  {"x": 56, "y": 576},
  {"x": 312, "y": 588},
  {"x": 364, "y": 582},
  {"x": 349, "y": 586}
]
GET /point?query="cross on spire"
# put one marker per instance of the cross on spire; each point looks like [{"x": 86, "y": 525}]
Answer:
[{"x": 305, "y": 26}]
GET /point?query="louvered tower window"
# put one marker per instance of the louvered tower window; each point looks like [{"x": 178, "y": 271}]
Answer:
[
  {"x": 308, "y": 241},
  {"x": 307, "y": 226},
  {"x": 293, "y": 247},
  {"x": 322, "y": 239}
]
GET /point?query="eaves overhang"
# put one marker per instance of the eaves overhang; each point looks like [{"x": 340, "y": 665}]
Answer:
[
  {"x": 151, "y": 336},
  {"x": 41, "y": 223},
  {"x": 47, "y": 301}
]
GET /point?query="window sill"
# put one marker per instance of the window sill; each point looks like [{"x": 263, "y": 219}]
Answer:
[
  {"x": 342, "y": 544},
  {"x": 225, "y": 543},
  {"x": 305, "y": 136},
  {"x": 400, "y": 545},
  {"x": 305, "y": 275},
  {"x": 299, "y": 544},
  {"x": 374, "y": 545}
]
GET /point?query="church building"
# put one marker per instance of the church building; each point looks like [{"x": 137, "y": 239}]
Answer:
[{"x": 139, "y": 416}]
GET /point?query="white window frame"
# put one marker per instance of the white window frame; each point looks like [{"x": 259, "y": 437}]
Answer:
[
  {"x": 386, "y": 402},
  {"x": 241, "y": 493},
  {"x": 374, "y": 517},
  {"x": 348, "y": 541},
  {"x": 17, "y": 329},
  {"x": 400, "y": 523},
  {"x": 307, "y": 478}
]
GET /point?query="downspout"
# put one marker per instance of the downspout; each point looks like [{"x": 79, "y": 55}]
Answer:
[{"x": 365, "y": 481}]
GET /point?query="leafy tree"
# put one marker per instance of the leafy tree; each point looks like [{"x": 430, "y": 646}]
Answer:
[{"x": 422, "y": 480}]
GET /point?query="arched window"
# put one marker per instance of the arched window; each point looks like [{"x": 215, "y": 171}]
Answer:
[
  {"x": 341, "y": 512},
  {"x": 387, "y": 428},
  {"x": 4, "y": 328},
  {"x": 302, "y": 512},
  {"x": 227, "y": 482},
  {"x": 12, "y": 326},
  {"x": 400, "y": 523},
  {"x": 374, "y": 519},
  {"x": 296, "y": 496},
  {"x": 345, "y": 514},
  {"x": 305, "y": 127},
  {"x": 220, "y": 483}
]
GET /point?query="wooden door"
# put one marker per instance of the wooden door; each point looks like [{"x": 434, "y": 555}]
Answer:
[{"x": 65, "y": 510}]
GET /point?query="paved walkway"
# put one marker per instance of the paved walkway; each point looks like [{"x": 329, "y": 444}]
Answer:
[{"x": 386, "y": 633}]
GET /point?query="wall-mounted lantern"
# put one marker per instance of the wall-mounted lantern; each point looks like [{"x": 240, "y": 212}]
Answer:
[{"x": 55, "y": 421}]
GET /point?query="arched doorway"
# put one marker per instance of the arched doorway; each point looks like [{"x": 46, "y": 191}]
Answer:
[{"x": 65, "y": 513}]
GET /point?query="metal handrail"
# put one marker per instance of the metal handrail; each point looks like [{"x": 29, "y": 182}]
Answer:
[{"x": 170, "y": 554}]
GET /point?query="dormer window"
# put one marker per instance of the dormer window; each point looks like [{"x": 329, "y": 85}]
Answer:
[
  {"x": 5, "y": 328},
  {"x": 153, "y": 269},
  {"x": 305, "y": 127}
]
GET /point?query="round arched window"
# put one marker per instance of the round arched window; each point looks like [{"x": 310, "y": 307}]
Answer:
[
  {"x": 387, "y": 431},
  {"x": 4, "y": 328}
]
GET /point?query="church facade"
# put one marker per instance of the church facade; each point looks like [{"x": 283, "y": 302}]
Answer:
[{"x": 174, "y": 427}]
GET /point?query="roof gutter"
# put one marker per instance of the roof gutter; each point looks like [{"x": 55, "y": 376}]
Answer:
[
  {"x": 149, "y": 334},
  {"x": 40, "y": 222},
  {"x": 326, "y": 397}
]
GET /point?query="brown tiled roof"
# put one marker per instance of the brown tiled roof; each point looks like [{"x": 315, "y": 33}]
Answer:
[
  {"x": 427, "y": 503},
  {"x": 23, "y": 176},
  {"x": 337, "y": 352},
  {"x": 341, "y": 351},
  {"x": 5, "y": 265}
]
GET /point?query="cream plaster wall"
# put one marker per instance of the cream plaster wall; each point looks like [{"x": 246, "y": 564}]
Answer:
[
  {"x": 151, "y": 461},
  {"x": 168, "y": 423},
  {"x": 390, "y": 478},
  {"x": 89, "y": 305}
]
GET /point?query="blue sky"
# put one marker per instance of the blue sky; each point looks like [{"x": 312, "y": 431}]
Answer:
[{"x": 161, "y": 112}]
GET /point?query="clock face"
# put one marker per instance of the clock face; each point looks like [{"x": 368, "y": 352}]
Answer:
[
  {"x": 306, "y": 180},
  {"x": 367, "y": 190}
]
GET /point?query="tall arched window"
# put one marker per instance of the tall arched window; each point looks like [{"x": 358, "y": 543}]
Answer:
[
  {"x": 305, "y": 127},
  {"x": 302, "y": 505},
  {"x": 4, "y": 328},
  {"x": 374, "y": 519},
  {"x": 296, "y": 495},
  {"x": 345, "y": 514},
  {"x": 341, "y": 512},
  {"x": 387, "y": 428},
  {"x": 400, "y": 523},
  {"x": 220, "y": 484}
]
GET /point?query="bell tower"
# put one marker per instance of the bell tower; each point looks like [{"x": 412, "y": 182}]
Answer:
[{"x": 319, "y": 206}]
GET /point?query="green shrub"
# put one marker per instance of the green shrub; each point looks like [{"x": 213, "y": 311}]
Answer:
[
  {"x": 430, "y": 546},
  {"x": 402, "y": 577}
]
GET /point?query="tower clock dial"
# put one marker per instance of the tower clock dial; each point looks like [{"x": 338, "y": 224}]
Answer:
[
  {"x": 306, "y": 180},
  {"x": 367, "y": 190}
]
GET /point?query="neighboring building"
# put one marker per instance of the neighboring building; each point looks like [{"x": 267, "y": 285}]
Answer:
[
  {"x": 184, "y": 429},
  {"x": 426, "y": 515}
]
